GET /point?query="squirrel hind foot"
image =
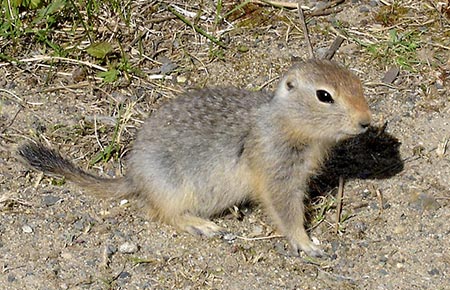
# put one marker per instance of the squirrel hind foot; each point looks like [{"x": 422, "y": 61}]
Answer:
[{"x": 197, "y": 226}]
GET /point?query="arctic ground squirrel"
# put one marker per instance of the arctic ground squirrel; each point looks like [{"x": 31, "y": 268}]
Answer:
[{"x": 210, "y": 149}]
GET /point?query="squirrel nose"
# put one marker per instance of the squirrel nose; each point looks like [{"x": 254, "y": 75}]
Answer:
[
  {"x": 364, "y": 121},
  {"x": 364, "y": 124}
]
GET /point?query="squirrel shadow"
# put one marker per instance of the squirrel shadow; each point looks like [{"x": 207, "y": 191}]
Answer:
[{"x": 372, "y": 155}]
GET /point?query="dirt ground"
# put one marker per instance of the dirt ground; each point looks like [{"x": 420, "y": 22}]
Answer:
[{"x": 394, "y": 231}]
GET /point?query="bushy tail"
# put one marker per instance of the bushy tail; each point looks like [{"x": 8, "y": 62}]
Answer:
[{"x": 50, "y": 161}]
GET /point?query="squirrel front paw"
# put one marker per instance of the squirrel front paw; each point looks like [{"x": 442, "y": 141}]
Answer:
[{"x": 308, "y": 247}]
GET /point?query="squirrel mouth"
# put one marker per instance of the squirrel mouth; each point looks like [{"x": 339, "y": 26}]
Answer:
[{"x": 347, "y": 135}]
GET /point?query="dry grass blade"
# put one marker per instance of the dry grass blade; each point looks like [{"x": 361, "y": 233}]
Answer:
[
  {"x": 380, "y": 200},
  {"x": 259, "y": 238},
  {"x": 339, "y": 197},
  {"x": 45, "y": 58},
  {"x": 18, "y": 99},
  {"x": 442, "y": 147}
]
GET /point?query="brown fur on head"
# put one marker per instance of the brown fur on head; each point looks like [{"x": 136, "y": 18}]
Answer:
[{"x": 323, "y": 101}]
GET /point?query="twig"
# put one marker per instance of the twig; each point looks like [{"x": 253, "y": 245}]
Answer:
[
  {"x": 12, "y": 120},
  {"x": 305, "y": 30},
  {"x": 333, "y": 48},
  {"x": 339, "y": 203},
  {"x": 196, "y": 28},
  {"x": 266, "y": 83}
]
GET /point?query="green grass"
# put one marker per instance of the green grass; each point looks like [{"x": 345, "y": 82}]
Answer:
[
  {"x": 394, "y": 47},
  {"x": 399, "y": 49},
  {"x": 44, "y": 22}
]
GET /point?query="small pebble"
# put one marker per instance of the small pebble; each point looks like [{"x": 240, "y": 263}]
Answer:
[
  {"x": 50, "y": 200},
  {"x": 79, "y": 224},
  {"x": 167, "y": 66},
  {"x": 79, "y": 74},
  {"x": 439, "y": 85},
  {"x": 364, "y": 9},
  {"x": 335, "y": 246},
  {"x": 320, "y": 5},
  {"x": 433, "y": 272},
  {"x": 257, "y": 231},
  {"x": 27, "y": 229},
  {"x": 66, "y": 255},
  {"x": 124, "y": 275},
  {"x": 383, "y": 272},
  {"x": 315, "y": 241},
  {"x": 321, "y": 51},
  {"x": 128, "y": 248},
  {"x": 229, "y": 237},
  {"x": 399, "y": 230},
  {"x": 110, "y": 250},
  {"x": 360, "y": 227},
  {"x": 423, "y": 201}
]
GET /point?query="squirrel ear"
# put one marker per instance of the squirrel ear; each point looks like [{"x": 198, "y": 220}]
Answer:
[{"x": 290, "y": 82}]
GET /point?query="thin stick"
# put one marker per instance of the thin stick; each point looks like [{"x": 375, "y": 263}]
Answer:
[
  {"x": 339, "y": 203},
  {"x": 333, "y": 48},
  {"x": 305, "y": 31}
]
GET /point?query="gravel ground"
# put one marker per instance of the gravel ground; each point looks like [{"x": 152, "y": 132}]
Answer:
[{"x": 394, "y": 230}]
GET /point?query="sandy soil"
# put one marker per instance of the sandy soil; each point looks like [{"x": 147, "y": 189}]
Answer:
[{"x": 394, "y": 229}]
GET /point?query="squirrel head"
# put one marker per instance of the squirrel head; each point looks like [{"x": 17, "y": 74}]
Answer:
[{"x": 321, "y": 100}]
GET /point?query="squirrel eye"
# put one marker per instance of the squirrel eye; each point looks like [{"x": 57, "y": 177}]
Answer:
[{"x": 324, "y": 96}]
